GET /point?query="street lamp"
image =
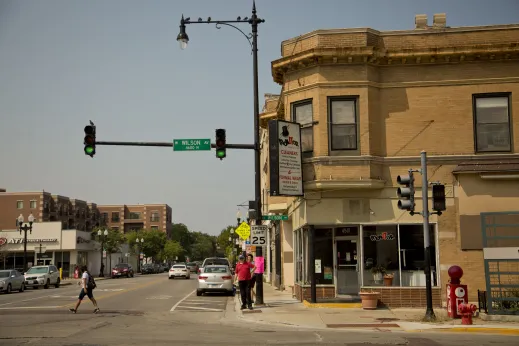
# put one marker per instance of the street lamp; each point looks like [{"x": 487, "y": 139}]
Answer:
[
  {"x": 25, "y": 228},
  {"x": 102, "y": 235},
  {"x": 139, "y": 253}
]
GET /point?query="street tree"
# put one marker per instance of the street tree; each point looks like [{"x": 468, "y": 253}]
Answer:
[
  {"x": 154, "y": 241},
  {"x": 172, "y": 250},
  {"x": 112, "y": 243}
]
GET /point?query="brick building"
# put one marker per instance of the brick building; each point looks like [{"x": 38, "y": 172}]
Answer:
[{"x": 369, "y": 102}]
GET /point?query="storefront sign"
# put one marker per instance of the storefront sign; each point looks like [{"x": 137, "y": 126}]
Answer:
[
  {"x": 285, "y": 164},
  {"x": 20, "y": 241},
  {"x": 382, "y": 236},
  {"x": 82, "y": 240}
]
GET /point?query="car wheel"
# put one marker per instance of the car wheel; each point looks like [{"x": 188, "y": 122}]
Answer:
[
  {"x": 47, "y": 284},
  {"x": 57, "y": 283},
  {"x": 199, "y": 293},
  {"x": 22, "y": 288},
  {"x": 169, "y": 277},
  {"x": 8, "y": 289},
  {"x": 187, "y": 277}
]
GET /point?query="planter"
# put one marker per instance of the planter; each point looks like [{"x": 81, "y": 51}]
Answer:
[
  {"x": 369, "y": 300},
  {"x": 377, "y": 277},
  {"x": 388, "y": 281}
]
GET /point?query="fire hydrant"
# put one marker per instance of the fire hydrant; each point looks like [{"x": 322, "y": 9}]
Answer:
[{"x": 466, "y": 311}]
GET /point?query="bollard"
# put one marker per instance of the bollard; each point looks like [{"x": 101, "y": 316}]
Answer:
[
  {"x": 467, "y": 311},
  {"x": 60, "y": 274}
]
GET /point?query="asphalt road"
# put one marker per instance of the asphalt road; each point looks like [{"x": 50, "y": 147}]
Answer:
[{"x": 152, "y": 310}]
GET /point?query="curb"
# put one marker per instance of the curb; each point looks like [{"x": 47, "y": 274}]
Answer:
[
  {"x": 65, "y": 283},
  {"x": 475, "y": 330},
  {"x": 333, "y": 305}
]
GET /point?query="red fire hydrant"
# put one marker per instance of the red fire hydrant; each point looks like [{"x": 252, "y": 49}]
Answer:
[{"x": 466, "y": 311}]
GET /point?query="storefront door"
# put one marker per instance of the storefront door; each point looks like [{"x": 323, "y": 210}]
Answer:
[{"x": 346, "y": 255}]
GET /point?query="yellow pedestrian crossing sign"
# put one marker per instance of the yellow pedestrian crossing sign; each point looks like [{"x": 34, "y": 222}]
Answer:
[{"x": 243, "y": 231}]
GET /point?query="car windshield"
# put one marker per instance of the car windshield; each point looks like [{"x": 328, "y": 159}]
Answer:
[
  {"x": 179, "y": 267},
  {"x": 215, "y": 270},
  {"x": 4, "y": 274},
  {"x": 121, "y": 266},
  {"x": 38, "y": 270},
  {"x": 216, "y": 261}
]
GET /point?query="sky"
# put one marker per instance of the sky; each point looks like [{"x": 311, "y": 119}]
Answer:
[{"x": 117, "y": 63}]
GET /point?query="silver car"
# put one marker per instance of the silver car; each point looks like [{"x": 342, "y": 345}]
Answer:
[
  {"x": 215, "y": 278},
  {"x": 11, "y": 280}
]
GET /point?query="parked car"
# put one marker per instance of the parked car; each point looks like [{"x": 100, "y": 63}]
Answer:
[
  {"x": 214, "y": 261},
  {"x": 179, "y": 270},
  {"x": 193, "y": 267},
  {"x": 157, "y": 268},
  {"x": 11, "y": 280},
  {"x": 165, "y": 267},
  {"x": 122, "y": 269},
  {"x": 215, "y": 278},
  {"x": 42, "y": 276},
  {"x": 146, "y": 269}
]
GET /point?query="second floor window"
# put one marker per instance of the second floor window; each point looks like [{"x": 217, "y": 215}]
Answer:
[
  {"x": 19, "y": 204},
  {"x": 115, "y": 217},
  {"x": 33, "y": 204},
  {"x": 154, "y": 217},
  {"x": 302, "y": 113},
  {"x": 343, "y": 123},
  {"x": 155, "y": 228},
  {"x": 492, "y": 123},
  {"x": 134, "y": 216}
]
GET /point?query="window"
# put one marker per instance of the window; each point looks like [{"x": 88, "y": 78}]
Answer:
[
  {"x": 302, "y": 113},
  {"x": 156, "y": 228},
  {"x": 115, "y": 228},
  {"x": 134, "y": 216},
  {"x": 115, "y": 217},
  {"x": 104, "y": 217},
  {"x": 323, "y": 243},
  {"x": 492, "y": 123},
  {"x": 343, "y": 123},
  {"x": 154, "y": 217},
  {"x": 19, "y": 204},
  {"x": 33, "y": 204}
]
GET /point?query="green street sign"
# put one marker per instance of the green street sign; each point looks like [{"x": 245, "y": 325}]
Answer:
[
  {"x": 275, "y": 217},
  {"x": 191, "y": 144}
]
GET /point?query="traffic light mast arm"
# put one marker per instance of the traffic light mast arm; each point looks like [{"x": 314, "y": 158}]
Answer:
[{"x": 168, "y": 144}]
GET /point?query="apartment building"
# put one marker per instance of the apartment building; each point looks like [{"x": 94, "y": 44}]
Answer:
[
  {"x": 368, "y": 103},
  {"x": 127, "y": 218}
]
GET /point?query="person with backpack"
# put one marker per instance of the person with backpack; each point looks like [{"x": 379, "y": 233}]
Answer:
[{"x": 88, "y": 284}]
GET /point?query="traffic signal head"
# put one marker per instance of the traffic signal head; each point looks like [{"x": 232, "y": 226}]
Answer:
[
  {"x": 406, "y": 193},
  {"x": 438, "y": 192},
  {"x": 90, "y": 140},
  {"x": 220, "y": 144}
]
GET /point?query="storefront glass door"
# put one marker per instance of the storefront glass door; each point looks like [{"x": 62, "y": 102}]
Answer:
[{"x": 346, "y": 252}]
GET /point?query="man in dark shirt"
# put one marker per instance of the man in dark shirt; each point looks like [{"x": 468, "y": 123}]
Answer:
[{"x": 243, "y": 276}]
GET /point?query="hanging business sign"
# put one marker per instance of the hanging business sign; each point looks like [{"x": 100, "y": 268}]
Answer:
[
  {"x": 285, "y": 163},
  {"x": 20, "y": 240}
]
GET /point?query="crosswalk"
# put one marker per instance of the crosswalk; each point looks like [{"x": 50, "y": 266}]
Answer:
[{"x": 192, "y": 303}]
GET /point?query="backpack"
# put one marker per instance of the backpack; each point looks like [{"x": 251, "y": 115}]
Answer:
[{"x": 91, "y": 282}]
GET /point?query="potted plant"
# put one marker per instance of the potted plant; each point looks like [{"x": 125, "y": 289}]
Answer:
[
  {"x": 388, "y": 279},
  {"x": 378, "y": 271},
  {"x": 369, "y": 300}
]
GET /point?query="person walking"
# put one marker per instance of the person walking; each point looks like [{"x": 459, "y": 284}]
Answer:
[
  {"x": 250, "y": 259},
  {"x": 87, "y": 286},
  {"x": 243, "y": 270}
]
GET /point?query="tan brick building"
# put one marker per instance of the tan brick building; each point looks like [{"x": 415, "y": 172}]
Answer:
[{"x": 369, "y": 102}]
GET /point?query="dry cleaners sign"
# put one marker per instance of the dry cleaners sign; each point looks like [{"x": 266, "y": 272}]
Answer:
[
  {"x": 285, "y": 164},
  {"x": 20, "y": 240}
]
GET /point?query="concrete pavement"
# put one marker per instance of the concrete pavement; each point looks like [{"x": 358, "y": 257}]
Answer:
[{"x": 152, "y": 310}]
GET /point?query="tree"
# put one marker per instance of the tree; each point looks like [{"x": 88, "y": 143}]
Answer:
[
  {"x": 172, "y": 250},
  {"x": 226, "y": 246},
  {"x": 154, "y": 241},
  {"x": 112, "y": 244},
  {"x": 181, "y": 234},
  {"x": 204, "y": 246}
]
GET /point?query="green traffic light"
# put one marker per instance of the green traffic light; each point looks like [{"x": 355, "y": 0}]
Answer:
[
  {"x": 89, "y": 150},
  {"x": 220, "y": 153}
]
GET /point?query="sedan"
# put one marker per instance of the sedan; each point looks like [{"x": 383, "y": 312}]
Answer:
[
  {"x": 11, "y": 280},
  {"x": 179, "y": 270},
  {"x": 215, "y": 278}
]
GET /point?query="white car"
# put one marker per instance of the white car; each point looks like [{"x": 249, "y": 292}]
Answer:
[
  {"x": 179, "y": 270},
  {"x": 42, "y": 276}
]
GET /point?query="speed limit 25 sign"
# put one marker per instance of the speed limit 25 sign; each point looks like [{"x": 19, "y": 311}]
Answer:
[{"x": 258, "y": 235}]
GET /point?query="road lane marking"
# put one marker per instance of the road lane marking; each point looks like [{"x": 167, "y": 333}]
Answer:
[
  {"x": 198, "y": 308},
  {"x": 25, "y": 300},
  {"x": 202, "y": 300},
  {"x": 112, "y": 294},
  {"x": 181, "y": 300},
  {"x": 30, "y": 307},
  {"x": 194, "y": 303}
]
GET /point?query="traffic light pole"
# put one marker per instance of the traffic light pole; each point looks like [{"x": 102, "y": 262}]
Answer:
[
  {"x": 429, "y": 312},
  {"x": 169, "y": 144}
]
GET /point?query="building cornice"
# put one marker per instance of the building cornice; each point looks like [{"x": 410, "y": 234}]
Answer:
[
  {"x": 388, "y": 57},
  {"x": 315, "y": 185}
]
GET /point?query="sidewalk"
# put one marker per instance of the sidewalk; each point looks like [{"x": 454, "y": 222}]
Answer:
[{"x": 281, "y": 309}]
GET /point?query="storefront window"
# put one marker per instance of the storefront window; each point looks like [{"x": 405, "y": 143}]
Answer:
[
  {"x": 323, "y": 256},
  {"x": 412, "y": 255},
  {"x": 398, "y": 251},
  {"x": 299, "y": 255},
  {"x": 380, "y": 255},
  {"x": 62, "y": 260}
]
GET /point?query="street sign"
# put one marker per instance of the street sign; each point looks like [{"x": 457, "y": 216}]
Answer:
[
  {"x": 275, "y": 217},
  {"x": 259, "y": 235},
  {"x": 243, "y": 231},
  {"x": 191, "y": 144}
]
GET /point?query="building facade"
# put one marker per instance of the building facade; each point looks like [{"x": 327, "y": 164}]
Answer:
[{"x": 368, "y": 103}]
